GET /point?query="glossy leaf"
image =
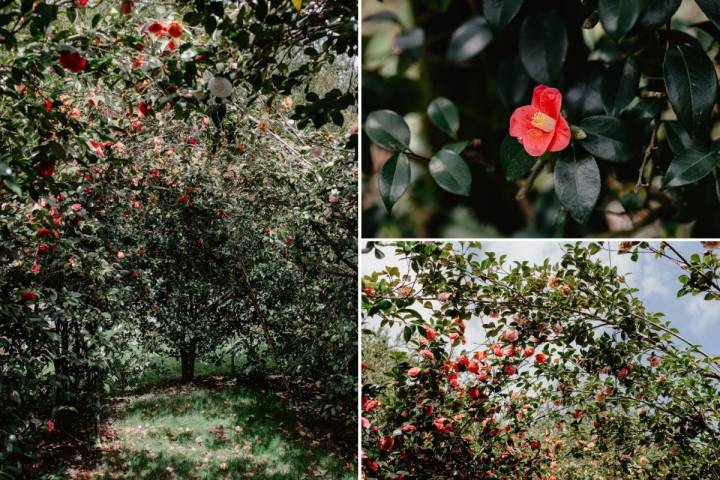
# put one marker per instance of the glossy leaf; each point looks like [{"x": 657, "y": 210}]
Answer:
[
  {"x": 577, "y": 183},
  {"x": 711, "y": 8},
  {"x": 514, "y": 159},
  {"x": 469, "y": 39},
  {"x": 618, "y": 16},
  {"x": 692, "y": 87},
  {"x": 500, "y": 12},
  {"x": 620, "y": 85},
  {"x": 678, "y": 139},
  {"x": 657, "y": 13},
  {"x": 690, "y": 166},
  {"x": 607, "y": 138},
  {"x": 543, "y": 47},
  {"x": 451, "y": 172},
  {"x": 456, "y": 147},
  {"x": 444, "y": 114},
  {"x": 513, "y": 84},
  {"x": 394, "y": 179},
  {"x": 388, "y": 130}
]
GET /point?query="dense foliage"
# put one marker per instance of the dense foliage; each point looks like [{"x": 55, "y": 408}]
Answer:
[
  {"x": 572, "y": 374},
  {"x": 177, "y": 179},
  {"x": 541, "y": 118}
]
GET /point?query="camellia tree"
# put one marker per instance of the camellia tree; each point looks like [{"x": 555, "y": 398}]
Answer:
[
  {"x": 573, "y": 374},
  {"x": 175, "y": 178},
  {"x": 552, "y": 118}
]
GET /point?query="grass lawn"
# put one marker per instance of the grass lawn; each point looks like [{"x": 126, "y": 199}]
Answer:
[{"x": 213, "y": 431}]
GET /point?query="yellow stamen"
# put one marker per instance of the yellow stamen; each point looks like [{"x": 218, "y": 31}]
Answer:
[{"x": 543, "y": 122}]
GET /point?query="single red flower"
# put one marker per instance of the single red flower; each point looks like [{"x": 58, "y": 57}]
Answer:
[
  {"x": 127, "y": 6},
  {"x": 28, "y": 296},
  {"x": 509, "y": 370},
  {"x": 48, "y": 105},
  {"x": 138, "y": 61},
  {"x": 35, "y": 268},
  {"x": 81, "y": 3},
  {"x": 157, "y": 28},
  {"x": 540, "y": 358},
  {"x": 540, "y": 127},
  {"x": 193, "y": 141},
  {"x": 41, "y": 232},
  {"x": 144, "y": 108},
  {"x": 184, "y": 198},
  {"x": 414, "y": 372},
  {"x": 42, "y": 249},
  {"x": 73, "y": 61},
  {"x": 175, "y": 30},
  {"x": 171, "y": 47},
  {"x": 386, "y": 443},
  {"x": 50, "y": 425},
  {"x": 46, "y": 169}
]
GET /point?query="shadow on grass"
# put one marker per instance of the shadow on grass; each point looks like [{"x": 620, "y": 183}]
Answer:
[{"x": 207, "y": 433}]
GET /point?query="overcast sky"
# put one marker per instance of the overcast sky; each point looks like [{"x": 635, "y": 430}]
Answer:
[{"x": 696, "y": 319}]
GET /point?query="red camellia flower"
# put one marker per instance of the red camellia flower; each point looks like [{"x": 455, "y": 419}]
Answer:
[
  {"x": 28, "y": 296},
  {"x": 138, "y": 61},
  {"x": 540, "y": 358},
  {"x": 76, "y": 207},
  {"x": 48, "y": 105},
  {"x": 127, "y": 6},
  {"x": 623, "y": 372},
  {"x": 175, "y": 30},
  {"x": 157, "y": 28},
  {"x": 135, "y": 274},
  {"x": 429, "y": 409},
  {"x": 414, "y": 372},
  {"x": 474, "y": 393},
  {"x": 144, "y": 109},
  {"x": 509, "y": 370},
  {"x": 42, "y": 232},
  {"x": 35, "y": 268},
  {"x": 46, "y": 169},
  {"x": 528, "y": 351},
  {"x": 184, "y": 198},
  {"x": 430, "y": 334},
  {"x": 540, "y": 127},
  {"x": 42, "y": 249},
  {"x": 50, "y": 425},
  {"x": 73, "y": 61},
  {"x": 386, "y": 443},
  {"x": 369, "y": 291},
  {"x": 193, "y": 141},
  {"x": 427, "y": 354},
  {"x": 171, "y": 46},
  {"x": 408, "y": 428},
  {"x": 370, "y": 405},
  {"x": 443, "y": 425},
  {"x": 81, "y": 3},
  {"x": 497, "y": 350},
  {"x": 482, "y": 375}
]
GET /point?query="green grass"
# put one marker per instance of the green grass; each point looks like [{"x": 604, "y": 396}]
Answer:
[
  {"x": 228, "y": 432},
  {"x": 165, "y": 369}
]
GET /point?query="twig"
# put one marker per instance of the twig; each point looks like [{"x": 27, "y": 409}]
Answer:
[{"x": 536, "y": 169}]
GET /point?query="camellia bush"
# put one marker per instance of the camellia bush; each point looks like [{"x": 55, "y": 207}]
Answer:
[
  {"x": 541, "y": 118},
  {"x": 177, "y": 179},
  {"x": 573, "y": 378}
]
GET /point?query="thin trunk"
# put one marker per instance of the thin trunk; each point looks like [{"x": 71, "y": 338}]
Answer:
[{"x": 187, "y": 364}]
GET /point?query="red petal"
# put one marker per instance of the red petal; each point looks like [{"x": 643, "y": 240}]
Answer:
[
  {"x": 562, "y": 136},
  {"x": 548, "y": 100},
  {"x": 520, "y": 121},
  {"x": 536, "y": 141}
]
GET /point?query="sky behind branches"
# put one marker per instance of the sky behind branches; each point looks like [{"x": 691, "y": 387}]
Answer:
[{"x": 695, "y": 318}]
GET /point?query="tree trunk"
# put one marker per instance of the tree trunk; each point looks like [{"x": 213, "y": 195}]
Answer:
[{"x": 187, "y": 364}]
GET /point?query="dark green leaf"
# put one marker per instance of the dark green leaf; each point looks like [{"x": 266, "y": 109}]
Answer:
[
  {"x": 577, "y": 183},
  {"x": 12, "y": 185},
  {"x": 618, "y": 16},
  {"x": 691, "y": 86},
  {"x": 500, "y": 12},
  {"x": 711, "y": 8},
  {"x": 514, "y": 159},
  {"x": 394, "y": 179},
  {"x": 451, "y": 172},
  {"x": 455, "y": 147},
  {"x": 513, "y": 83},
  {"x": 388, "y": 130},
  {"x": 543, "y": 47},
  {"x": 678, "y": 139},
  {"x": 691, "y": 166},
  {"x": 619, "y": 85},
  {"x": 444, "y": 114},
  {"x": 657, "y": 13},
  {"x": 607, "y": 138},
  {"x": 469, "y": 39}
]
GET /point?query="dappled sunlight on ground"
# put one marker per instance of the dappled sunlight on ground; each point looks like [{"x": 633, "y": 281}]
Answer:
[{"x": 199, "y": 432}]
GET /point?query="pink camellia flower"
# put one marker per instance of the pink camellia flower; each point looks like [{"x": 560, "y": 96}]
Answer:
[
  {"x": 414, "y": 372},
  {"x": 430, "y": 334},
  {"x": 50, "y": 425},
  {"x": 427, "y": 354},
  {"x": 76, "y": 207},
  {"x": 540, "y": 127},
  {"x": 528, "y": 351},
  {"x": 443, "y": 297},
  {"x": 654, "y": 360},
  {"x": 386, "y": 443},
  {"x": 510, "y": 335},
  {"x": 35, "y": 268},
  {"x": 120, "y": 255},
  {"x": 408, "y": 428},
  {"x": 365, "y": 422}
]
